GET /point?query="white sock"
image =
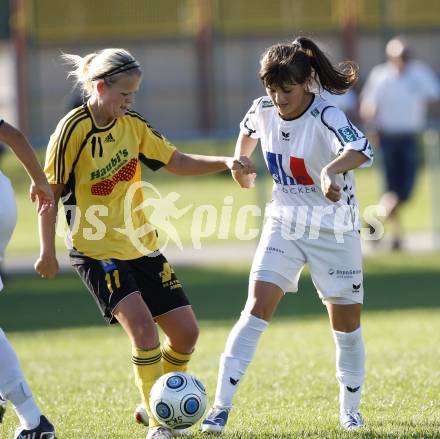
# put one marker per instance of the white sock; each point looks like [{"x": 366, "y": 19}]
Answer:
[
  {"x": 13, "y": 386},
  {"x": 239, "y": 351},
  {"x": 350, "y": 367}
]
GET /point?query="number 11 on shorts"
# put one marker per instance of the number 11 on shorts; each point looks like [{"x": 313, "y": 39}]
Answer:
[{"x": 108, "y": 279}]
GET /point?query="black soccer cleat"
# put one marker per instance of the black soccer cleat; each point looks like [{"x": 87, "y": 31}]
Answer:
[
  {"x": 2, "y": 408},
  {"x": 45, "y": 430}
]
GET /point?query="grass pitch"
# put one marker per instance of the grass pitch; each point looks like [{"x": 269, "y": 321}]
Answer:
[{"x": 80, "y": 371}]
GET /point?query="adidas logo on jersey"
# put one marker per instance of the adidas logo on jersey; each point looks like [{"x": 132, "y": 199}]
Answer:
[
  {"x": 109, "y": 138},
  {"x": 356, "y": 288},
  {"x": 285, "y": 136}
]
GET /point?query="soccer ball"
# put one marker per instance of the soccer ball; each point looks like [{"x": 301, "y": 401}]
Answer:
[{"x": 178, "y": 400}]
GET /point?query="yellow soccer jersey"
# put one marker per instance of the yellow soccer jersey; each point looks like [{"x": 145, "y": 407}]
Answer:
[{"x": 98, "y": 166}]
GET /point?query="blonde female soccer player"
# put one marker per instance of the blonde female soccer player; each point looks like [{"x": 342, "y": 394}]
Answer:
[
  {"x": 310, "y": 148},
  {"x": 93, "y": 162},
  {"x": 13, "y": 385}
]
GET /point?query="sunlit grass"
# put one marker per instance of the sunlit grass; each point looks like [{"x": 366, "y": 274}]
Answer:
[{"x": 80, "y": 369}]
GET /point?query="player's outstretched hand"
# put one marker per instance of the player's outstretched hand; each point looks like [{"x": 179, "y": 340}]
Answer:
[
  {"x": 243, "y": 172},
  {"x": 47, "y": 266},
  {"x": 43, "y": 194},
  {"x": 329, "y": 186},
  {"x": 243, "y": 163}
]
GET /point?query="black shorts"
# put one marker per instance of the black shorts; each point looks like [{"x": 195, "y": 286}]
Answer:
[{"x": 111, "y": 280}]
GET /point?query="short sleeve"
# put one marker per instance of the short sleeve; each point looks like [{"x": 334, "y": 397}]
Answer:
[
  {"x": 155, "y": 150},
  {"x": 249, "y": 125},
  {"x": 342, "y": 135},
  {"x": 61, "y": 152}
]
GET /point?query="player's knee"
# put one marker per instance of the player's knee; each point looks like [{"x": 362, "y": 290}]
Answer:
[
  {"x": 144, "y": 337},
  {"x": 261, "y": 310},
  {"x": 185, "y": 339}
]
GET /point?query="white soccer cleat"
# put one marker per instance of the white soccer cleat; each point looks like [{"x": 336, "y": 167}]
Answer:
[
  {"x": 351, "y": 420},
  {"x": 141, "y": 415},
  {"x": 159, "y": 433},
  {"x": 185, "y": 432}
]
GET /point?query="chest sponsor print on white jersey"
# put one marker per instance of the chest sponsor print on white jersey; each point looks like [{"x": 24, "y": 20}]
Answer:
[{"x": 298, "y": 172}]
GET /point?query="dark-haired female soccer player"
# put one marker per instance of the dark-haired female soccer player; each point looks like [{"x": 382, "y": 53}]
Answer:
[{"x": 310, "y": 148}]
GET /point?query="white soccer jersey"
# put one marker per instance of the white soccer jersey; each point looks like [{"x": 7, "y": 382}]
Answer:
[{"x": 295, "y": 151}]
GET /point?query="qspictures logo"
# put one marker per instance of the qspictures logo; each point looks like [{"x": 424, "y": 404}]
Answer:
[{"x": 223, "y": 221}]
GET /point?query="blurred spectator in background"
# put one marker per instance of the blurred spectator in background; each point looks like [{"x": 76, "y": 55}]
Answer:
[{"x": 394, "y": 104}]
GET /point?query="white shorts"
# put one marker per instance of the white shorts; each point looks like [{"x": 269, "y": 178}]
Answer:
[
  {"x": 336, "y": 268},
  {"x": 8, "y": 215}
]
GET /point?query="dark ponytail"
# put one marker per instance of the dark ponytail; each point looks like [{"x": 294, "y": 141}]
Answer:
[
  {"x": 335, "y": 79},
  {"x": 303, "y": 61}
]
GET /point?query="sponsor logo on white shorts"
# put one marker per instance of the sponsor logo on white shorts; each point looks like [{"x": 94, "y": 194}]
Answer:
[
  {"x": 344, "y": 274},
  {"x": 271, "y": 249}
]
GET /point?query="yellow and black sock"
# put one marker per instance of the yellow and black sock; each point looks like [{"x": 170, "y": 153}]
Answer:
[
  {"x": 174, "y": 361},
  {"x": 147, "y": 366}
]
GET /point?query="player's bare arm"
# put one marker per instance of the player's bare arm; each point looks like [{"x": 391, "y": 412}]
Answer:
[
  {"x": 40, "y": 190},
  {"x": 192, "y": 164},
  {"x": 244, "y": 147},
  {"x": 347, "y": 161},
  {"x": 47, "y": 265}
]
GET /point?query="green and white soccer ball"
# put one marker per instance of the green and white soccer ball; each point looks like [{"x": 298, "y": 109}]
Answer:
[{"x": 178, "y": 400}]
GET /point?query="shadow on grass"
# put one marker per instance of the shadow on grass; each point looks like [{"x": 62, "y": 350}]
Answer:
[{"x": 30, "y": 303}]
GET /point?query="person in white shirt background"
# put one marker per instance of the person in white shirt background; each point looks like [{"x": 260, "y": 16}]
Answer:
[{"x": 394, "y": 103}]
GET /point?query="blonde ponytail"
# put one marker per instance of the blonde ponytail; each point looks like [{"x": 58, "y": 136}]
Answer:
[
  {"x": 108, "y": 65},
  {"x": 80, "y": 71}
]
